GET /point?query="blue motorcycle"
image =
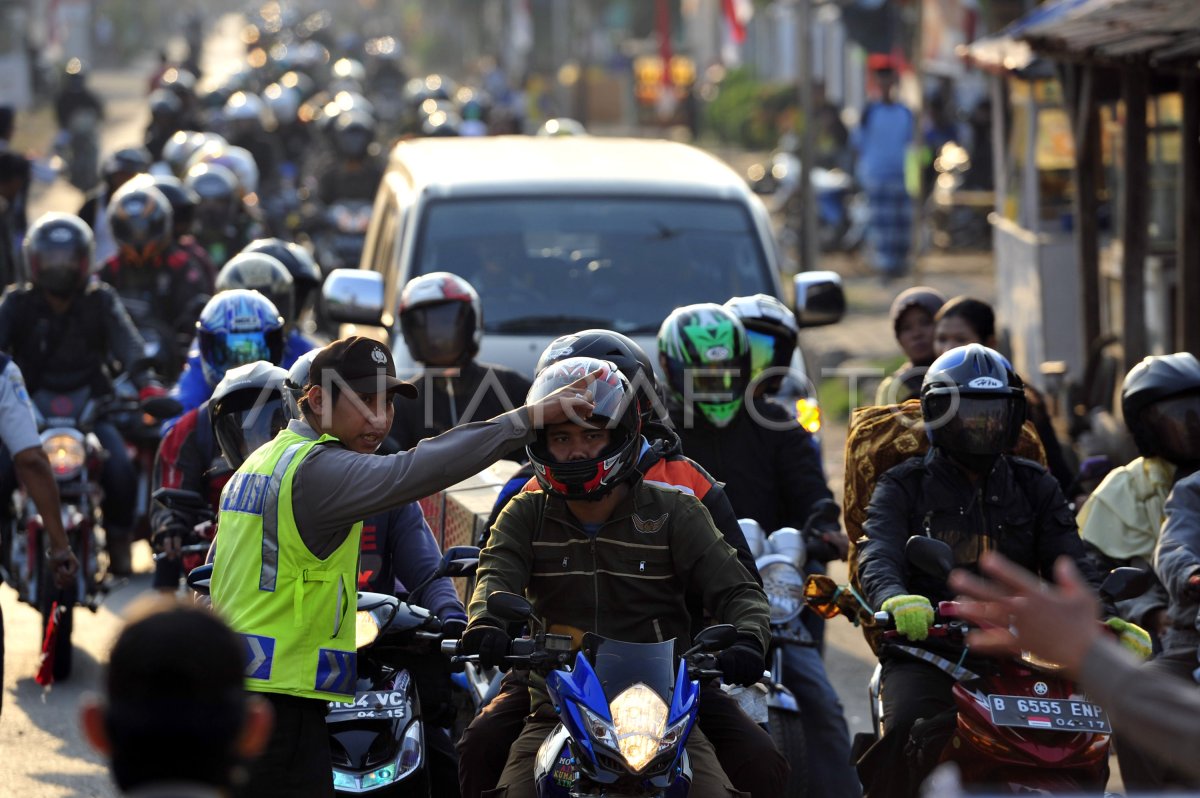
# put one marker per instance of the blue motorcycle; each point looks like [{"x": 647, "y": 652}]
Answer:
[{"x": 625, "y": 709}]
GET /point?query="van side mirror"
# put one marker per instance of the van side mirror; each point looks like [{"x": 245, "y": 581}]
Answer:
[
  {"x": 354, "y": 296},
  {"x": 820, "y": 299}
]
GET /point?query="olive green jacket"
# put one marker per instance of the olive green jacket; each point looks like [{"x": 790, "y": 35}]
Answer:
[{"x": 629, "y": 582}]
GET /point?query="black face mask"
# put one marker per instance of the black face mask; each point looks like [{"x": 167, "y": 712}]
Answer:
[
  {"x": 980, "y": 464},
  {"x": 1175, "y": 423}
]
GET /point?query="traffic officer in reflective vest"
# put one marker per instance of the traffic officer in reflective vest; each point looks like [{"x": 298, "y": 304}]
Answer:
[{"x": 290, "y": 517}]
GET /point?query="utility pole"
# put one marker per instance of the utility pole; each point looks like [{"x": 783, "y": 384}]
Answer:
[{"x": 806, "y": 243}]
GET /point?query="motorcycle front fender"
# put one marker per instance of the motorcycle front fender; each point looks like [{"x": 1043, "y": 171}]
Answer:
[{"x": 555, "y": 770}]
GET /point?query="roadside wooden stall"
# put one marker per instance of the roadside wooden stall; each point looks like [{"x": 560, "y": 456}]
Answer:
[{"x": 1129, "y": 72}]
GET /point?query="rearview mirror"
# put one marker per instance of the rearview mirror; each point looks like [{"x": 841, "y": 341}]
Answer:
[
  {"x": 354, "y": 296},
  {"x": 199, "y": 579},
  {"x": 714, "y": 638},
  {"x": 459, "y": 561},
  {"x": 509, "y": 606},
  {"x": 177, "y": 498},
  {"x": 162, "y": 407},
  {"x": 1126, "y": 583},
  {"x": 820, "y": 299},
  {"x": 824, "y": 513},
  {"x": 929, "y": 556}
]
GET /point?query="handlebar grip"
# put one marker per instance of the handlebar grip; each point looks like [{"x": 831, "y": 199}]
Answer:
[{"x": 522, "y": 647}]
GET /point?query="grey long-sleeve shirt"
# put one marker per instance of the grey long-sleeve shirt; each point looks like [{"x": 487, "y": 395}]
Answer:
[
  {"x": 334, "y": 488},
  {"x": 1163, "y": 711},
  {"x": 1177, "y": 559}
]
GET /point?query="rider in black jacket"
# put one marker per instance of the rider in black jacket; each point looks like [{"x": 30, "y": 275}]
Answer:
[
  {"x": 771, "y": 469},
  {"x": 66, "y": 334},
  {"x": 442, "y": 321},
  {"x": 970, "y": 495}
]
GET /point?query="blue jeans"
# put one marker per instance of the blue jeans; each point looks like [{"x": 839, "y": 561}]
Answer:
[{"x": 826, "y": 735}]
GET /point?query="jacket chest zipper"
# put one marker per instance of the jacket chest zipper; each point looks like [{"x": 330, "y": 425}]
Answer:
[{"x": 595, "y": 588}]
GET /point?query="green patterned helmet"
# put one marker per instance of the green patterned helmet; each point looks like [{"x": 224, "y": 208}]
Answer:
[{"x": 705, "y": 354}]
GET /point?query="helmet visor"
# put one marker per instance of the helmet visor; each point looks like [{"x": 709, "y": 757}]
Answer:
[
  {"x": 228, "y": 350},
  {"x": 1176, "y": 425},
  {"x": 241, "y": 432},
  {"x": 971, "y": 424},
  {"x": 439, "y": 332},
  {"x": 59, "y": 269},
  {"x": 762, "y": 351}
]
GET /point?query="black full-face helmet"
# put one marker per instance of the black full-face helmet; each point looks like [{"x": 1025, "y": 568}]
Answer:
[
  {"x": 247, "y": 409},
  {"x": 973, "y": 404},
  {"x": 260, "y": 272},
  {"x": 58, "y": 251},
  {"x": 1160, "y": 400},
  {"x": 306, "y": 274},
  {"x": 620, "y": 350},
  {"x": 615, "y": 408}
]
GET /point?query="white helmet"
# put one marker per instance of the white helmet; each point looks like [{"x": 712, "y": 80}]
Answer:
[{"x": 244, "y": 105}]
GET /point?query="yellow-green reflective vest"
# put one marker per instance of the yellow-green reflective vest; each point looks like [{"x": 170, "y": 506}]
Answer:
[{"x": 294, "y": 612}]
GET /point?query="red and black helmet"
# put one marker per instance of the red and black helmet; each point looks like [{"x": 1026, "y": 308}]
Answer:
[{"x": 615, "y": 408}]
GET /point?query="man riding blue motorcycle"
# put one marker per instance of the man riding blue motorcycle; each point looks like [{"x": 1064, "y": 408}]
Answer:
[{"x": 599, "y": 550}]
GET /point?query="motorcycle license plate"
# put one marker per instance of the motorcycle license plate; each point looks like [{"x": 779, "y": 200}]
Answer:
[
  {"x": 1053, "y": 714},
  {"x": 372, "y": 704}
]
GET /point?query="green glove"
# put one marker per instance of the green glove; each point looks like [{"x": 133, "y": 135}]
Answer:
[
  {"x": 913, "y": 615},
  {"x": 1131, "y": 636}
]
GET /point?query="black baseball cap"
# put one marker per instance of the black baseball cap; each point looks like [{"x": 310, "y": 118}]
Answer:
[{"x": 362, "y": 365}]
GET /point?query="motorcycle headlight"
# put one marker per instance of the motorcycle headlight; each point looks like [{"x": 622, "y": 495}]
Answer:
[
  {"x": 640, "y": 722},
  {"x": 784, "y": 586},
  {"x": 66, "y": 452}
]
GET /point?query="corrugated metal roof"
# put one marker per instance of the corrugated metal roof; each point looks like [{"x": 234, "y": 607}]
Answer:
[{"x": 1158, "y": 30}]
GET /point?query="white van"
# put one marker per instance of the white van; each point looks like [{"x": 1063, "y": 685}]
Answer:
[{"x": 562, "y": 234}]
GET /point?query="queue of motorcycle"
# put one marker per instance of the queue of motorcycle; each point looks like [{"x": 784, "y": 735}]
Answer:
[{"x": 65, "y": 422}]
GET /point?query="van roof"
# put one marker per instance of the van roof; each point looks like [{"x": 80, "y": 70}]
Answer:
[{"x": 574, "y": 164}]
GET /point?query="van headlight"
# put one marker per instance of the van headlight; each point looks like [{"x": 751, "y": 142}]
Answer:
[{"x": 66, "y": 452}]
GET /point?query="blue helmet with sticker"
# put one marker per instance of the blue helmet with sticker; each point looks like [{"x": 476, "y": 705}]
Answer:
[
  {"x": 973, "y": 404},
  {"x": 236, "y": 327}
]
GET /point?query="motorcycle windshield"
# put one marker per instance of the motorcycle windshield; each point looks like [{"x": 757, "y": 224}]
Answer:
[{"x": 621, "y": 665}]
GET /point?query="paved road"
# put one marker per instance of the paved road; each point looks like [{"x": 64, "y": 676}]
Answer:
[
  {"x": 42, "y": 754},
  {"x": 41, "y": 750}
]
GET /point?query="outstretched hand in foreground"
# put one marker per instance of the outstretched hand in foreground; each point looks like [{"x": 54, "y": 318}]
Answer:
[{"x": 1020, "y": 612}]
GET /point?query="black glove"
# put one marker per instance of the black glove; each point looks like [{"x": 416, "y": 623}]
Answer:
[
  {"x": 453, "y": 628},
  {"x": 743, "y": 662},
  {"x": 491, "y": 643},
  {"x": 175, "y": 531}
]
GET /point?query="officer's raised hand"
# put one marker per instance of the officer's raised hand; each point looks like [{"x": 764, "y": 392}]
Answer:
[{"x": 573, "y": 403}]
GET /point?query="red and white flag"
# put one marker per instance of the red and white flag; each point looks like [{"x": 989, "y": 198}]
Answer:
[{"x": 737, "y": 14}]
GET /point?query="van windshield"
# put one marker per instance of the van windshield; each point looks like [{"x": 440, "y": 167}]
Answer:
[{"x": 549, "y": 266}]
